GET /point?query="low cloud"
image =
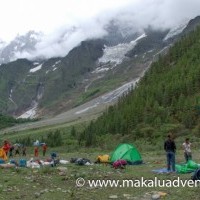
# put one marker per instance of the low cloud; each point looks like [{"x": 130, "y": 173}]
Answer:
[{"x": 137, "y": 15}]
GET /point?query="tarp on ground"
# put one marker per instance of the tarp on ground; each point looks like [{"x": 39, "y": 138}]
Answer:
[
  {"x": 126, "y": 152},
  {"x": 189, "y": 167},
  {"x": 161, "y": 171}
]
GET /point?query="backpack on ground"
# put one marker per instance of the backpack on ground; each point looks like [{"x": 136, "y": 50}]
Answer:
[{"x": 196, "y": 175}]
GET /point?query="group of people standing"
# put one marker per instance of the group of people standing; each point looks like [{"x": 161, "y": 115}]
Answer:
[
  {"x": 36, "y": 150},
  {"x": 13, "y": 150},
  {"x": 170, "y": 148},
  {"x": 20, "y": 149}
]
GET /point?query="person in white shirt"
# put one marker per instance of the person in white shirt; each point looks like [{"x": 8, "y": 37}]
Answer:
[{"x": 187, "y": 149}]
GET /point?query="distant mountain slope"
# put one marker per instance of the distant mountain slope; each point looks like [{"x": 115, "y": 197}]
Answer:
[
  {"x": 23, "y": 83},
  {"x": 167, "y": 95},
  {"x": 46, "y": 87}
]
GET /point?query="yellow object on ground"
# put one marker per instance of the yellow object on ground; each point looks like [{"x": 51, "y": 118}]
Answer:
[
  {"x": 3, "y": 154},
  {"x": 103, "y": 158}
]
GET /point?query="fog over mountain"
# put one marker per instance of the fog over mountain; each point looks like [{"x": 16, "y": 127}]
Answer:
[
  {"x": 98, "y": 51},
  {"x": 92, "y": 20}
]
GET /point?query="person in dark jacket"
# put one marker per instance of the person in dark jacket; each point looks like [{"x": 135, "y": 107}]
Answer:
[
  {"x": 23, "y": 150},
  {"x": 170, "y": 148}
]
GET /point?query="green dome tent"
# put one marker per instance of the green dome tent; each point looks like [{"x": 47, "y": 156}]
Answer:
[{"x": 126, "y": 152}]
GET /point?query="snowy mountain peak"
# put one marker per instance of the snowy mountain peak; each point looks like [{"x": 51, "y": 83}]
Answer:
[{"x": 21, "y": 43}]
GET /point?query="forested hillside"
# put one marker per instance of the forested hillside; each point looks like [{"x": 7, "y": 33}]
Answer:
[{"x": 169, "y": 93}]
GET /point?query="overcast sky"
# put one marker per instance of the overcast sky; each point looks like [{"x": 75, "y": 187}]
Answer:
[
  {"x": 54, "y": 17},
  {"x": 19, "y": 16}
]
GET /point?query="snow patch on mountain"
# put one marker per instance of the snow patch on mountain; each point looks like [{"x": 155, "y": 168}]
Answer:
[
  {"x": 176, "y": 30},
  {"x": 116, "y": 54},
  {"x": 57, "y": 62},
  {"x": 100, "y": 70},
  {"x": 35, "y": 69},
  {"x": 10, "y": 95},
  {"x": 31, "y": 113}
]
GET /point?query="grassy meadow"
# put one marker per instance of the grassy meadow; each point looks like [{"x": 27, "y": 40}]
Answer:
[{"x": 49, "y": 183}]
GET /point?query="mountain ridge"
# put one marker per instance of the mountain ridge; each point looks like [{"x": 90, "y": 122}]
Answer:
[{"x": 57, "y": 84}]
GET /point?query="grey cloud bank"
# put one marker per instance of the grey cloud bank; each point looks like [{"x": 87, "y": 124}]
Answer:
[{"x": 160, "y": 14}]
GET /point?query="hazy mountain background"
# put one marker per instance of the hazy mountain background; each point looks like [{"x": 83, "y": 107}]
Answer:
[{"x": 42, "y": 86}]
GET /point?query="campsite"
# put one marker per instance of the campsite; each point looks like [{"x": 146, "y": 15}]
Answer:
[
  {"x": 100, "y": 100},
  {"x": 59, "y": 182}
]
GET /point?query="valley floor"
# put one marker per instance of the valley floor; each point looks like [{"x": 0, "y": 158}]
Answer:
[{"x": 47, "y": 183}]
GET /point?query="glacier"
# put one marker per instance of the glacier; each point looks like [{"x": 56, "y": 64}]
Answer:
[{"x": 116, "y": 54}]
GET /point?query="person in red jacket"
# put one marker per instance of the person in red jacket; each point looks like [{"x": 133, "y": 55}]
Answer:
[
  {"x": 36, "y": 151},
  {"x": 6, "y": 147},
  {"x": 44, "y": 149}
]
